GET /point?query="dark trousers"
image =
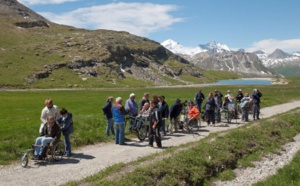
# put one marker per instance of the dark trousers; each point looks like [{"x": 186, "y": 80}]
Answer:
[
  {"x": 154, "y": 133},
  {"x": 256, "y": 110},
  {"x": 210, "y": 114}
]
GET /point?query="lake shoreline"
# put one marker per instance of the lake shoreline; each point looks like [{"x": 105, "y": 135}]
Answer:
[{"x": 274, "y": 81}]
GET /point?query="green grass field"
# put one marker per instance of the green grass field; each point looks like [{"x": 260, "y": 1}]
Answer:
[{"x": 20, "y": 111}]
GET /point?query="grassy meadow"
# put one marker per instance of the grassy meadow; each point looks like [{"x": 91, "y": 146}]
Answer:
[{"x": 20, "y": 111}]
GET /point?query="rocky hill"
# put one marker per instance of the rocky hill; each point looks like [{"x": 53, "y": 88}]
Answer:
[{"x": 35, "y": 52}]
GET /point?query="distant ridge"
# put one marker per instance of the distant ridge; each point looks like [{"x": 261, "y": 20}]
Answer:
[
  {"x": 279, "y": 54},
  {"x": 14, "y": 9}
]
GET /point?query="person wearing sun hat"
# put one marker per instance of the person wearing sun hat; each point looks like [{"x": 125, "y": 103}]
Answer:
[
  {"x": 229, "y": 95},
  {"x": 239, "y": 96},
  {"x": 131, "y": 105}
]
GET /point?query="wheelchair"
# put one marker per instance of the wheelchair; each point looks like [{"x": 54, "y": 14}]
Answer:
[
  {"x": 51, "y": 154},
  {"x": 140, "y": 126},
  {"x": 229, "y": 112},
  {"x": 188, "y": 124}
]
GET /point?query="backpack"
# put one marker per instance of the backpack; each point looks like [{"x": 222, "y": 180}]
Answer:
[{"x": 245, "y": 104}]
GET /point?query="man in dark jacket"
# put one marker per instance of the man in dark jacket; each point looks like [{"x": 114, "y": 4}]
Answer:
[
  {"x": 239, "y": 96},
  {"x": 218, "y": 101},
  {"x": 66, "y": 123},
  {"x": 210, "y": 109},
  {"x": 50, "y": 133},
  {"x": 174, "y": 113},
  {"x": 256, "y": 103},
  {"x": 109, "y": 117},
  {"x": 164, "y": 108},
  {"x": 155, "y": 124},
  {"x": 199, "y": 97}
]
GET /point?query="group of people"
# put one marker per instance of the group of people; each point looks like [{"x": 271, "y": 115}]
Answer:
[
  {"x": 214, "y": 104},
  {"x": 157, "y": 111},
  {"x": 54, "y": 122}
]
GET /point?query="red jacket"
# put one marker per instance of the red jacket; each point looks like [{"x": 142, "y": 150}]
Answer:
[{"x": 193, "y": 112}]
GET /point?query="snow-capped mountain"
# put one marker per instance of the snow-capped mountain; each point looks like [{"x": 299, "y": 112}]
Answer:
[
  {"x": 296, "y": 54},
  {"x": 177, "y": 48},
  {"x": 211, "y": 47},
  {"x": 217, "y": 56},
  {"x": 278, "y": 57},
  {"x": 215, "y": 47}
]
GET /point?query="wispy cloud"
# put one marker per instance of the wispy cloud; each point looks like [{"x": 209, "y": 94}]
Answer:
[
  {"x": 269, "y": 45},
  {"x": 34, "y": 2},
  {"x": 136, "y": 18}
]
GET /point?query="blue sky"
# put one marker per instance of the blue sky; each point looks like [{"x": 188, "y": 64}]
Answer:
[{"x": 249, "y": 24}]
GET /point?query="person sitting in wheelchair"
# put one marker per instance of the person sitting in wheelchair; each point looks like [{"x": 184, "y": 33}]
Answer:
[
  {"x": 143, "y": 115},
  {"x": 193, "y": 112},
  {"x": 50, "y": 134}
]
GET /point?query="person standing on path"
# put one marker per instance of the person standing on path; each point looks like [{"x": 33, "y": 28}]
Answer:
[
  {"x": 132, "y": 108},
  {"x": 49, "y": 110},
  {"x": 66, "y": 126},
  {"x": 256, "y": 103},
  {"x": 109, "y": 117},
  {"x": 210, "y": 106},
  {"x": 174, "y": 113},
  {"x": 245, "y": 107},
  {"x": 218, "y": 99},
  {"x": 239, "y": 96},
  {"x": 199, "y": 97},
  {"x": 119, "y": 113},
  {"x": 164, "y": 108},
  {"x": 155, "y": 124}
]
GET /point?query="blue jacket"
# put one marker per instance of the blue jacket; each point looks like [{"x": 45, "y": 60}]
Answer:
[
  {"x": 66, "y": 124},
  {"x": 131, "y": 107},
  {"x": 256, "y": 97},
  {"x": 107, "y": 110},
  {"x": 119, "y": 113}
]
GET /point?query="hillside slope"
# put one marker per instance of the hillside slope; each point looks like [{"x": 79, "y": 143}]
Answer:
[{"x": 35, "y": 52}]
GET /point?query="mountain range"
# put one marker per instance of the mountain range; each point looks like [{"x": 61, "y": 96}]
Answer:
[{"x": 217, "y": 56}]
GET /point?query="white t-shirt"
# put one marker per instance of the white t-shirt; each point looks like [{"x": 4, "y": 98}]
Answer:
[{"x": 46, "y": 112}]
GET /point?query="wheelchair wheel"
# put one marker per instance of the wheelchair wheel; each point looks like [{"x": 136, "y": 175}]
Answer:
[
  {"x": 58, "y": 151},
  {"x": 142, "y": 132},
  {"x": 192, "y": 124},
  {"x": 24, "y": 160},
  {"x": 229, "y": 117}
]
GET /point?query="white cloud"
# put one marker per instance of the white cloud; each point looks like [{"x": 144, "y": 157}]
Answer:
[
  {"x": 34, "y": 2},
  {"x": 136, "y": 18},
  {"x": 269, "y": 45}
]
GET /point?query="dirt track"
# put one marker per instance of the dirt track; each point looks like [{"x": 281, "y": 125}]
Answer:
[{"x": 94, "y": 158}]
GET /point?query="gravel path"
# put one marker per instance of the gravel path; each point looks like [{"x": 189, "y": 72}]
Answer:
[{"x": 91, "y": 159}]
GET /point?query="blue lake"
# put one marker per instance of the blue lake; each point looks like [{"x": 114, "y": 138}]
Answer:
[{"x": 243, "y": 82}]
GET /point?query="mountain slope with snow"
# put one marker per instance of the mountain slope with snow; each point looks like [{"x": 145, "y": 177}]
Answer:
[{"x": 211, "y": 47}]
